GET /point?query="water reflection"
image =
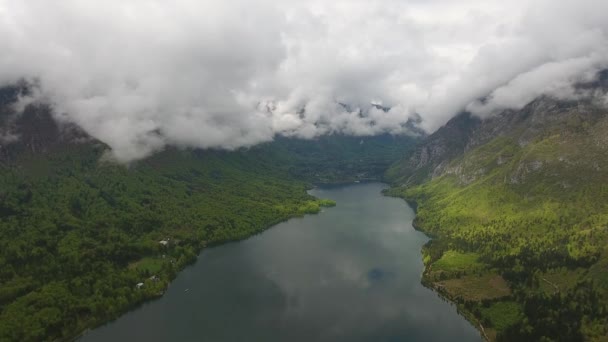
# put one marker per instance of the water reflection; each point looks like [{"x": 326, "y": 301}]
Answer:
[{"x": 351, "y": 273}]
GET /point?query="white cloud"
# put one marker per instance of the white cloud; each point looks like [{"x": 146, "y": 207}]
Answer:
[{"x": 141, "y": 74}]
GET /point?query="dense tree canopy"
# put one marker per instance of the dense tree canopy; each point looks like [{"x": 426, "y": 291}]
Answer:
[{"x": 79, "y": 232}]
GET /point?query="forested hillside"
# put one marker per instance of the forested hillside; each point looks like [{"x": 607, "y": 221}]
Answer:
[
  {"x": 517, "y": 206},
  {"x": 84, "y": 239},
  {"x": 77, "y": 233}
]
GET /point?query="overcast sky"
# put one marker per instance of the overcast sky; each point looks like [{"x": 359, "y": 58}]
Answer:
[{"x": 142, "y": 74}]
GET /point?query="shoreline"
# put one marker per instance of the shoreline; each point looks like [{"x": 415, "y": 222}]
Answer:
[
  {"x": 190, "y": 263},
  {"x": 423, "y": 281},
  {"x": 460, "y": 309}
]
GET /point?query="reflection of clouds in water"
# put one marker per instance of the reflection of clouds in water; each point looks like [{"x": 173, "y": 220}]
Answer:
[
  {"x": 319, "y": 278},
  {"x": 399, "y": 228},
  {"x": 342, "y": 294},
  {"x": 348, "y": 270},
  {"x": 343, "y": 280}
]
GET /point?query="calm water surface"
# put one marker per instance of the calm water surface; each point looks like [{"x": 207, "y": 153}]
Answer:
[{"x": 351, "y": 273}]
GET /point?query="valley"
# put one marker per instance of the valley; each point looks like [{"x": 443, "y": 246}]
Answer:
[
  {"x": 515, "y": 205},
  {"x": 365, "y": 171},
  {"x": 84, "y": 239}
]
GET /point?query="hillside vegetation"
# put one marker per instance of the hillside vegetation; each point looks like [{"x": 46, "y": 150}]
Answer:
[
  {"x": 84, "y": 239},
  {"x": 77, "y": 234},
  {"x": 519, "y": 219}
]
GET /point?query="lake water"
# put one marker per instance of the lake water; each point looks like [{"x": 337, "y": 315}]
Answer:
[{"x": 351, "y": 273}]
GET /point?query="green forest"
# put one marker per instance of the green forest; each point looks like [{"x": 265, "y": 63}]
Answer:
[
  {"x": 77, "y": 234},
  {"x": 83, "y": 239}
]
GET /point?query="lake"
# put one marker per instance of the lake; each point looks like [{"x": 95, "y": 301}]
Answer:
[{"x": 350, "y": 273}]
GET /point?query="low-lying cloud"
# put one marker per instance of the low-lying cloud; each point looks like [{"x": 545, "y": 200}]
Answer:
[{"x": 142, "y": 74}]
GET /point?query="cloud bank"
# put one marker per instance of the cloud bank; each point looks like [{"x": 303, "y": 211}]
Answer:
[{"x": 142, "y": 74}]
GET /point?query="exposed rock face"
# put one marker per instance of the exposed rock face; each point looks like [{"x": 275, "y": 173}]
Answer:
[
  {"x": 32, "y": 130},
  {"x": 434, "y": 153},
  {"x": 439, "y": 154}
]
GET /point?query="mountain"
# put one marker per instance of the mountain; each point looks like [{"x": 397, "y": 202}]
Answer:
[
  {"x": 78, "y": 232},
  {"x": 516, "y": 204},
  {"x": 465, "y": 131}
]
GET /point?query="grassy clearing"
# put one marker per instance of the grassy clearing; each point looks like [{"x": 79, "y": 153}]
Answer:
[
  {"x": 455, "y": 261},
  {"x": 502, "y": 315},
  {"x": 476, "y": 288},
  {"x": 149, "y": 264}
]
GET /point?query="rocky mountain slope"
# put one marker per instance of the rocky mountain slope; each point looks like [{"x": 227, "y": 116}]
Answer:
[
  {"x": 517, "y": 203},
  {"x": 465, "y": 132}
]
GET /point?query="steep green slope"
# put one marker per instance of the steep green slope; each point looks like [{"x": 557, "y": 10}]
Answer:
[{"x": 520, "y": 223}]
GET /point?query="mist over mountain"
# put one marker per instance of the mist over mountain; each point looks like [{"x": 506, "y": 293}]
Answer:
[
  {"x": 141, "y": 75},
  {"x": 522, "y": 193},
  {"x": 135, "y": 134},
  {"x": 465, "y": 132}
]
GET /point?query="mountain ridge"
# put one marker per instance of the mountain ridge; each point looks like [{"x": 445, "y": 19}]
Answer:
[{"x": 516, "y": 204}]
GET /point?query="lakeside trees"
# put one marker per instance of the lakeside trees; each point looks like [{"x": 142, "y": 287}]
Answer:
[
  {"x": 78, "y": 235},
  {"x": 79, "y": 232}
]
